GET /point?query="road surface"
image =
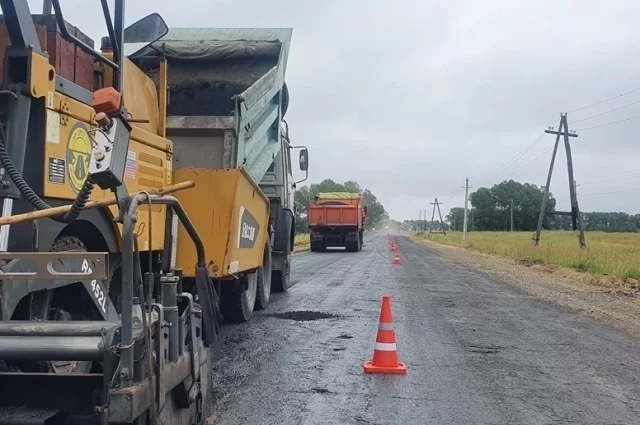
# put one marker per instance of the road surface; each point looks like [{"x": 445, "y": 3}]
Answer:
[{"x": 478, "y": 351}]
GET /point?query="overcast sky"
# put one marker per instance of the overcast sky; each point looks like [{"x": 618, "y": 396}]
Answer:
[{"x": 410, "y": 97}]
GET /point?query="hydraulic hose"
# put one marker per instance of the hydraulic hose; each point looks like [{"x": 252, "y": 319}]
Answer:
[{"x": 78, "y": 204}]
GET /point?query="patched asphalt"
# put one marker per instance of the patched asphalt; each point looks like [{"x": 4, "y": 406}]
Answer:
[{"x": 478, "y": 351}]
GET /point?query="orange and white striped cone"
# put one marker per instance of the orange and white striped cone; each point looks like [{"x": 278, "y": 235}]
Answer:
[
  {"x": 385, "y": 353},
  {"x": 396, "y": 258}
]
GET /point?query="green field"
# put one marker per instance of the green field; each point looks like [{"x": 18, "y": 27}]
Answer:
[{"x": 612, "y": 254}]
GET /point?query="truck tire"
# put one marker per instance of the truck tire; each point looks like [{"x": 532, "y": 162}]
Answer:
[
  {"x": 281, "y": 278},
  {"x": 237, "y": 306},
  {"x": 318, "y": 247},
  {"x": 263, "y": 292}
]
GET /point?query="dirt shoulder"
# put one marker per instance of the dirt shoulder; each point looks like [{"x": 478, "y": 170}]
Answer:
[{"x": 615, "y": 303}]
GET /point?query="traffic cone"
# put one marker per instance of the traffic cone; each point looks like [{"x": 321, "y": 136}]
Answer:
[
  {"x": 385, "y": 353},
  {"x": 396, "y": 258}
]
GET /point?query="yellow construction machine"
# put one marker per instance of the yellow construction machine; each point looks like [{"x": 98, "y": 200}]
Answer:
[{"x": 146, "y": 196}]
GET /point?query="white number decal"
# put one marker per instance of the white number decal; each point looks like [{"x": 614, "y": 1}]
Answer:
[
  {"x": 99, "y": 294},
  {"x": 85, "y": 267},
  {"x": 95, "y": 287}
]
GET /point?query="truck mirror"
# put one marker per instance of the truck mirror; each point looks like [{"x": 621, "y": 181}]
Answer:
[
  {"x": 141, "y": 34},
  {"x": 304, "y": 160}
]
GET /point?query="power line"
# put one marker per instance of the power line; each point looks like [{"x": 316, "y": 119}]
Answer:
[
  {"x": 607, "y": 112},
  {"x": 610, "y": 193},
  {"x": 532, "y": 161},
  {"x": 513, "y": 160},
  {"x": 621, "y": 176},
  {"x": 609, "y": 123},
  {"x": 605, "y": 100}
]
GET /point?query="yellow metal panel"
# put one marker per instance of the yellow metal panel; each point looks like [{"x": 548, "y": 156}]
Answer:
[
  {"x": 67, "y": 151},
  {"x": 215, "y": 207},
  {"x": 68, "y": 145},
  {"x": 42, "y": 76},
  {"x": 146, "y": 169}
]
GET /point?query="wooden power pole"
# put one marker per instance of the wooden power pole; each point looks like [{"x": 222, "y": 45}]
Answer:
[
  {"x": 437, "y": 204},
  {"x": 563, "y": 130},
  {"x": 466, "y": 188}
]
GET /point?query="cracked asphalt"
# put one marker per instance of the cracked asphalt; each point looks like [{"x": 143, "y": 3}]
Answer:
[{"x": 478, "y": 351}]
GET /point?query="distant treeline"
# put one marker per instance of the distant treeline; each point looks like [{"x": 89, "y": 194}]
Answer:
[{"x": 490, "y": 209}]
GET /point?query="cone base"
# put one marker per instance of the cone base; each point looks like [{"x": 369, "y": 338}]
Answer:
[{"x": 400, "y": 369}]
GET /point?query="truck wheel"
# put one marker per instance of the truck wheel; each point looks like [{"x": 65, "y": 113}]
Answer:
[
  {"x": 263, "y": 292},
  {"x": 353, "y": 246},
  {"x": 237, "y": 306},
  {"x": 281, "y": 278}
]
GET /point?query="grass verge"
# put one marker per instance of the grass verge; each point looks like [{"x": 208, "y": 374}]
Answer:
[
  {"x": 607, "y": 254},
  {"x": 301, "y": 242}
]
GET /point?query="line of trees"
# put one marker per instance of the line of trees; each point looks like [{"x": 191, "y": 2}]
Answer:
[
  {"x": 304, "y": 195},
  {"x": 491, "y": 210}
]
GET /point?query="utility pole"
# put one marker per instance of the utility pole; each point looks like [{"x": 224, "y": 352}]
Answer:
[
  {"x": 466, "y": 209},
  {"x": 437, "y": 204},
  {"x": 563, "y": 130},
  {"x": 512, "y": 215}
]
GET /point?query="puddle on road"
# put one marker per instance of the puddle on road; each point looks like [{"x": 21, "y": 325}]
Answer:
[
  {"x": 304, "y": 315},
  {"x": 485, "y": 349}
]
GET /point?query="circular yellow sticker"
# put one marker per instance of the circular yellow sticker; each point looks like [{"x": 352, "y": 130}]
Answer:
[{"x": 78, "y": 156}]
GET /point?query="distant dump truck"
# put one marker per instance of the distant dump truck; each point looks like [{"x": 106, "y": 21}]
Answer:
[{"x": 336, "y": 219}]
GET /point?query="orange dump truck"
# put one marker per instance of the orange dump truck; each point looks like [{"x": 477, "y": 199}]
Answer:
[{"x": 336, "y": 219}]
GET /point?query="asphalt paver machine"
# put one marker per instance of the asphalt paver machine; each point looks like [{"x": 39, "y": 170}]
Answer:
[{"x": 141, "y": 352}]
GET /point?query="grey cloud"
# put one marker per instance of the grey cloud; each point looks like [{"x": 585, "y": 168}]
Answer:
[{"x": 409, "y": 97}]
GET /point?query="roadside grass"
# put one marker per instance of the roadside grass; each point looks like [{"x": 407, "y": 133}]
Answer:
[
  {"x": 607, "y": 254},
  {"x": 301, "y": 242}
]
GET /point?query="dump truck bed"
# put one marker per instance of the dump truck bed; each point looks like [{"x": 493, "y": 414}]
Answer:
[
  {"x": 336, "y": 219},
  {"x": 226, "y": 94},
  {"x": 336, "y": 209},
  {"x": 227, "y": 82}
]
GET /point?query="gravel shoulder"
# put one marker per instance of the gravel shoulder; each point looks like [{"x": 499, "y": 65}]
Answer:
[{"x": 617, "y": 304}]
